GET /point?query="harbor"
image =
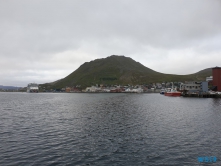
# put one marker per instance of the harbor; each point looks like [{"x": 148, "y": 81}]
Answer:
[
  {"x": 110, "y": 83},
  {"x": 209, "y": 88}
]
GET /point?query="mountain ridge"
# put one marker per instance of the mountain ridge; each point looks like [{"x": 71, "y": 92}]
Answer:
[
  {"x": 9, "y": 87},
  {"x": 121, "y": 70}
]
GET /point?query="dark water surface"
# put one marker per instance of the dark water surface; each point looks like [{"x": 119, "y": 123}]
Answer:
[{"x": 107, "y": 129}]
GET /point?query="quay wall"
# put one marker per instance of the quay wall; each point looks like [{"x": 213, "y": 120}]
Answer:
[{"x": 203, "y": 95}]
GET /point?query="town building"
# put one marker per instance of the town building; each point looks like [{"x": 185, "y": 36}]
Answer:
[
  {"x": 216, "y": 78},
  {"x": 190, "y": 86},
  {"x": 67, "y": 89},
  {"x": 193, "y": 87},
  {"x": 92, "y": 89},
  {"x": 204, "y": 86}
]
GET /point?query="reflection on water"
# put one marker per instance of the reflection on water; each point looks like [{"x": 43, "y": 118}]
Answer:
[{"x": 107, "y": 129}]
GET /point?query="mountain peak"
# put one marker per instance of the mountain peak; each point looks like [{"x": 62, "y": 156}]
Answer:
[
  {"x": 115, "y": 55},
  {"x": 118, "y": 69}
]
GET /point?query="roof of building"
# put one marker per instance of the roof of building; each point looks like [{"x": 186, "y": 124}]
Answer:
[{"x": 216, "y": 67}]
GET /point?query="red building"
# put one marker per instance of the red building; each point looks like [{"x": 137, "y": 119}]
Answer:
[{"x": 217, "y": 78}]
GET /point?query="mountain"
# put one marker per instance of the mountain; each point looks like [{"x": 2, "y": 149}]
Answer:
[
  {"x": 9, "y": 87},
  {"x": 121, "y": 70}
]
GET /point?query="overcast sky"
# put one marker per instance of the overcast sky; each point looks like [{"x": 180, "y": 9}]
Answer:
[{"x": 45, "y": 40}]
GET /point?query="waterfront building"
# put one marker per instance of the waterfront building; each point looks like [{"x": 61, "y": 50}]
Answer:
[
  {"x": 68, "y": 89},
  {"x": 193, "y": 87},
  {"x": 92, "y": 89},
  {"x": 190, "y": 86},
  {"x": 204, "y": 86},
  {"x": 158, "y": 85},
  {"x": 137, "y": 90},
  {"x": 217, "y": 78}
]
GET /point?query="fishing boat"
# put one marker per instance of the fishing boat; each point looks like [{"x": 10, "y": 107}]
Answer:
[
  {"x": 162, "y": 91},
  {"x": 172, "y": 92}
]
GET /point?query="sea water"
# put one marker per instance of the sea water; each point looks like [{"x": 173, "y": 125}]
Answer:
[{"x": 108, "y": 129}]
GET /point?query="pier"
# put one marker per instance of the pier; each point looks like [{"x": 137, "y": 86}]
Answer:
[{"x": 206, "y": 95}]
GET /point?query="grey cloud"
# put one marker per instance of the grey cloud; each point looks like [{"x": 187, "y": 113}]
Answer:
[{"x": 148, "y": 31}]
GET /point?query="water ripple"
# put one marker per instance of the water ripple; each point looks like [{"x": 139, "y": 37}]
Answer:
[{"x": 107, "y": 129}]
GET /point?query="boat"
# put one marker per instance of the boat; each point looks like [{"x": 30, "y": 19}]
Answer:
[
  {"x": 162, "y": 91},
  {"x": 172, "y": 92},
  {"x": 32, "y": 88}
]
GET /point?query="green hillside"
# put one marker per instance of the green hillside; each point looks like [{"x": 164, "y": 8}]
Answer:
[{"x": 120, "y": 70}]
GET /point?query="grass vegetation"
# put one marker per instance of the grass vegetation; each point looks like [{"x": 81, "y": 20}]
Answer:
[{"x": 120, "y": 70}]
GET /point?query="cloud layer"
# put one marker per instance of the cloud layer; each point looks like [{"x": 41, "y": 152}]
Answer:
[{"x": 42, "y": 41}]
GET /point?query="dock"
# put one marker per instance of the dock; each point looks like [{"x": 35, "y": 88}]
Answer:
[{"x": 207, "y": 95}]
